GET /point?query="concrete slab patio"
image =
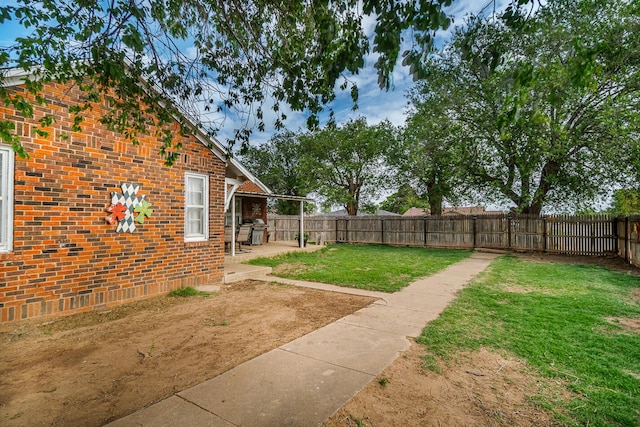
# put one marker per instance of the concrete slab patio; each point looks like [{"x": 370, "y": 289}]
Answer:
[{"x": 304, "y": 382}]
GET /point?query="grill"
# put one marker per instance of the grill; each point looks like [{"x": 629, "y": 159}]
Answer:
[{"x": 257, "y": 231}]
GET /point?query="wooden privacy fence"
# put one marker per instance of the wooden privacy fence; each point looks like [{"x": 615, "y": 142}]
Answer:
[
  {"x": 628, "y": 238},
  {"x": 575, "y": 235}
]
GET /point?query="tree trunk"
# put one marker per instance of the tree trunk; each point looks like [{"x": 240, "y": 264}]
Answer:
[
  {"x": 547, "y": 176},
  {"x": 352, "y": 208},
  {"x": 532, "y": 209},
  {"x": 435, "y": 204},
  {"x": 435, "y": 199},
  {"x": 354, "y": 198}
]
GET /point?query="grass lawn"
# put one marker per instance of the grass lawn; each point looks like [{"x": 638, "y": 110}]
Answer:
[
  {"x": 565, "y": 321},
  {"x": 374, "y": 267}
]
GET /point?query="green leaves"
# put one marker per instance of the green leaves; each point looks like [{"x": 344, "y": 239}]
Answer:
[
  {"x": 542, "y": 106},
  {"x": 626, "y": 201},
  {"x": 5, "y": 13},
  {"x": 242, "y": 55},
  {"x": 278, "y": 164},
  {"x": 403, "y": 200},
  {"x": 345, "y": 164},
  {"x": 8, "y": 136}
]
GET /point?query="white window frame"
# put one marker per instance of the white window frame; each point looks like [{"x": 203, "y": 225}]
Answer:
[
  {"x": 204, "y": 207},
  {"x": 6, "y": 199}
]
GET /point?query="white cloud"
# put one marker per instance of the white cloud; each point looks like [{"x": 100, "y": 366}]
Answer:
[
  {"x": 191, "y": 52},
  {"x": 368, "y": 24}
]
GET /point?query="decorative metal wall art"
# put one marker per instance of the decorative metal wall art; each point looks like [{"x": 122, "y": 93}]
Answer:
[{"x": 126, "y": 209}]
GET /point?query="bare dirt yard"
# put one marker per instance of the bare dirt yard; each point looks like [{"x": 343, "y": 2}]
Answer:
[
  {"x": 479, "y": 389},
  {"x": 92, "y": 368},
  {"x": 89, "y": 369}
]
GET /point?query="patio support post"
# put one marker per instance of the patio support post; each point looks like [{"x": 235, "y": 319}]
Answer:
[
  {"x": 233, "y": 225},
  {"x": 301, "y": 239}
]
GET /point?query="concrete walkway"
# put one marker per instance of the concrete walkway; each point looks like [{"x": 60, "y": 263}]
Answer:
[{"x": 304, "y": 382}]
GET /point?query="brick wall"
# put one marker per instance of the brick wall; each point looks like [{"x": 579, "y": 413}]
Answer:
[
  {"x": 253, "y": 207},
  {"x": 66, "y": 258},
  {"x": 250, "y": 187}
]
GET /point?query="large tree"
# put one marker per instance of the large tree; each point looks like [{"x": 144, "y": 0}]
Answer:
[
  {"x": 208, "y": 56},
  {"x": 348, "y": 162},
  {"x": 430, "y": 157},
  {"x": 548, "y": 105},
  {"x": 277, "y": 163}
]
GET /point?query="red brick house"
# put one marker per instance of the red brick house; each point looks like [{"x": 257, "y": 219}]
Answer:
[{"x": 91, "y": 220}]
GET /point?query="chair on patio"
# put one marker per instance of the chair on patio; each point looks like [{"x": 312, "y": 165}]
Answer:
[{"x": 244, "y": 235}]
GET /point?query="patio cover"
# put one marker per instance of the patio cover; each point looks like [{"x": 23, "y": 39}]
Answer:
[{"x": 265, "y": 196}]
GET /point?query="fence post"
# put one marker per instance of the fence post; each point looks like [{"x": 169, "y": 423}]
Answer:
[
  {"x": 475, "y": 219},
  {"x": 544, "y": 234},
  {"x": 346, "y": 230},
  {"x": 616, "y": 246},
  {"x": 626, "y": 238},
  {"x": 509, "y": 231},
  {"x": 274, "y": 222},
  {"x": 424, "y": 220}
]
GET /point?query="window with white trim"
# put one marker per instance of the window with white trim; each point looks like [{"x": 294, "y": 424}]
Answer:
[
  {"x": 196, "y": 210},
  {"x": 6, "y": 198}
]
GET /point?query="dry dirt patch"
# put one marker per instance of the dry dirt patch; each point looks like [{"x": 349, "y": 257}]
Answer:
[
  {"x": 480, "y": 389},
  {"x": 88, "y": 369},
  {"x": 290, "y": 268},
  {"x": 631, "y": 324}
]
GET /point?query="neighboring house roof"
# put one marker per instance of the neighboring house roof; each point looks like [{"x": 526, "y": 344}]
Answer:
[
  {"x": 382, "y": 212},
  {"x": 16, "y": 76},
  {"x": 455, "y": 210},
  {"x": 464, "y": 210},
  {"x": 416, "y": 212},
  {"x": 343, "y": 212},
  {"x": 469, "y": 210}
]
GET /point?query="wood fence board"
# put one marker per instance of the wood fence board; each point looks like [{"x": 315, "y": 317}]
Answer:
[
  {"x": 403, "y": 231},
  {"x": 562, "y": 234}
]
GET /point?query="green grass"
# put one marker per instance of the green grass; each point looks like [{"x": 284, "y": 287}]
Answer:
[
  {"x": 558, "y": 318},
  {"x": 187, "y": 292},
  {"x": 374, "y": 267}
]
